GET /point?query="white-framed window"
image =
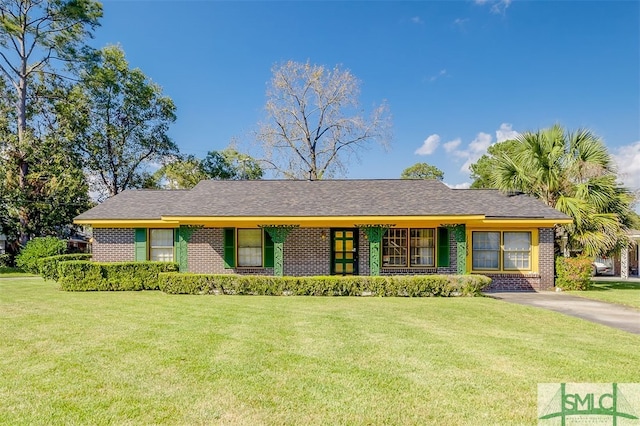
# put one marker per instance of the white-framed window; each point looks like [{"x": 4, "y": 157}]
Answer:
[
  {"x": 423, "y": 247},
  {"x": 249, "y": 247},
  {"x": 495, "y": 250},
  {"x": 161, "y": 245},
  {"x": 516, "y": 250},
  {"x": 409, "y": 247}
]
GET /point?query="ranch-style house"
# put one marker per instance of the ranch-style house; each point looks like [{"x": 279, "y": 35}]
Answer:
[{"x": 323, "y": 227}]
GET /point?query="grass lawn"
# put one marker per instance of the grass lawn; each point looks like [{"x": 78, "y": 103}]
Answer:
[
  {"x": 620, "y": 292},
  {"x": 152, "y": 358}
]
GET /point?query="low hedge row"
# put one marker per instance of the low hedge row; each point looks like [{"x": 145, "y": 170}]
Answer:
[
  {"x": 48, "y": 266},
  {"x": 407, "y": 286},
  {"x": 82, "y": 275}
]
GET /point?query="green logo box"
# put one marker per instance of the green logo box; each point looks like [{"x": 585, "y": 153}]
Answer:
[{"x": 569, "y": 404}]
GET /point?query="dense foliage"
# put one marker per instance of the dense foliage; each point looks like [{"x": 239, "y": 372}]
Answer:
[
  {"x": 48, "y": 266},
  {"x": 81, "y": 275},
  {"x": 573, "y": 273},
  {"x": 402, "y": 286},
  {"x": 36, "y": 249},
  {"x": 422, "y": 171}
]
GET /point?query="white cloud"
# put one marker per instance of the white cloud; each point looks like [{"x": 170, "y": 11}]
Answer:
[
  {"x": 417, "y": 20},
  {"x": 463, "y": 185},
  {"x": 429, "y": 145},
  {"x": 441, "y": 73},
  {"x": 498, "y": 7},
  {"x": 476, "y": 149},
  {"x": 452, "y": 145},
  {"x": 627, "y": 158},
  {"x": 505, "y": 132},
  {"x": 460, "y": 21}
]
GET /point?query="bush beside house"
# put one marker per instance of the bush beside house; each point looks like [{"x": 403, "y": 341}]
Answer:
[
  {"x": 403, "y": 286},
  {"x": 48, "y": 266},
  {"x": 80, "y": 275},
  {"x": 573, "y": 273}
]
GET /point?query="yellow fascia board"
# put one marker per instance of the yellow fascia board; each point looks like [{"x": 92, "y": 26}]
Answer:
[
  {"x": 526, "y": 223},
  {"x": 127, "y": 223},
  {"x": 318, "y": 221}
]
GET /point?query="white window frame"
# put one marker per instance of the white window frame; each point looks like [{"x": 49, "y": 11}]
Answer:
[
  {"x": 161, "y": 248},
  {"x": 249, "y": 256}
]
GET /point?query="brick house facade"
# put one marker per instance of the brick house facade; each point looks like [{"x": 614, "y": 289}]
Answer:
[{"x": 293, "y": 228}]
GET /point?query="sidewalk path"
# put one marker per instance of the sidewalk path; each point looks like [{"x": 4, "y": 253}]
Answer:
[{"x": 612, "y": 315}]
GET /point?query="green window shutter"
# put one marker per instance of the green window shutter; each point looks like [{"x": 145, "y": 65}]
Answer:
[
  {"x": 176, "y": 245},
  {"x": 229, "y": 248},
  {"x": 443, "y": 247},
  {"x": 268, "y": 251},
  {"x": 140, "y": 243}
]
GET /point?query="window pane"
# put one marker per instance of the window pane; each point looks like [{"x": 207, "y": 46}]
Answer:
[
  {"x": 517, "y": 250},
  {"x": 422, "y": 247},
  {"x": 161, "y": 245},
  {"x": 486, "y": 250},
  {"x": 249, "y": 247},
  {"x": 394, "y": 248}
]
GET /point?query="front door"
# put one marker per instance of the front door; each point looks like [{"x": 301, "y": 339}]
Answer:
[{"x": 344, "y": 253}]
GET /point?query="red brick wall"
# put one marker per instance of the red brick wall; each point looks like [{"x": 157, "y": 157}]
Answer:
[
  {"x": 546, "y": 258},
  {"x": 306, "y": 253},
  {"x": 113, "y": 245}
]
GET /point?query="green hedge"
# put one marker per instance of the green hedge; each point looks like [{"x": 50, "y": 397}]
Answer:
[
  {"x": 573, "y": 273},
  {"x": 80, "y": 275},
  {"x": 403, "y": 286},
  {"x": 48, "y": 266}
]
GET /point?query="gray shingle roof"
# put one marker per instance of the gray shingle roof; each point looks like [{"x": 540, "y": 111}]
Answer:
[{"x": 319, "y": 198}]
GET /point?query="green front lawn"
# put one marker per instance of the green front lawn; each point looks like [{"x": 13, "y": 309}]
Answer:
[
  {"x": 153, "y": 358},
  {"x": 620, "y": 292}
]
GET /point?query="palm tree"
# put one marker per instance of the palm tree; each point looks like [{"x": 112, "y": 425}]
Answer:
[{"x": 574, "y": 173}]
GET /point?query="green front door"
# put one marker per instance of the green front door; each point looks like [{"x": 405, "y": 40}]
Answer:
[{"x": 344, "y": 253}]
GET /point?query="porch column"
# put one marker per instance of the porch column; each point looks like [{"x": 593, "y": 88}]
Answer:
[
  {"x": 183, "y": 235},
  {"x": 278, "y": 234},
  {"x": 624, "y": 263},
  {"x": 374, "y": 234},
  {"x": 460, "y": 234}
]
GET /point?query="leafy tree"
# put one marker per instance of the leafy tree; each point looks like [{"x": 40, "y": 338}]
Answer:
[
  {"x": 572, "y": 172},
  {"x": 230, "y": 164},
  {"x": 315, "y": 125},
  {"x": 38, "y": 248},
  {"x": 118, "y": 120},
  {"x": 422, "y": 171},
  {"x": 482, "y": 170},
  {"x": 182, "y": 173},
  {"x": 34, "y": 36},
  {"x": 186, "y": 172},
  {"x": 55, "y": 188}
]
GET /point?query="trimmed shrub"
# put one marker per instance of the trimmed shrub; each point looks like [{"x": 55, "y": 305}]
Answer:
[
  {"x": 38, "y": 248},
  {"x": 401, "y": 286},
  {"x": 82, "y": 275},
  {"x": 48, "y": 266},
  {"x": 573, "y": 273}
]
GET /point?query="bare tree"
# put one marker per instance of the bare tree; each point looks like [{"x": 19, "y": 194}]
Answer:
[{"x": 315, "y": 125}]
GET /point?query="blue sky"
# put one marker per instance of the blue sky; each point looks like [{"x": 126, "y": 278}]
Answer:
[{"x": 457, "y": 75}]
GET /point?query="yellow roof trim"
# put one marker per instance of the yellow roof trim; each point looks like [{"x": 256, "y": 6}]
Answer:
[{"x": 128, "y": 223}]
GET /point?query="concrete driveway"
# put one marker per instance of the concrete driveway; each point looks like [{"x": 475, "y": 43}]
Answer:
[{"x": 616, "y": 316}]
